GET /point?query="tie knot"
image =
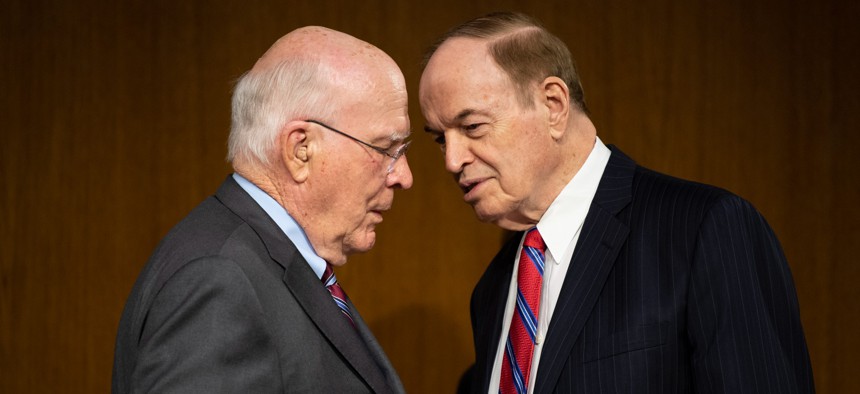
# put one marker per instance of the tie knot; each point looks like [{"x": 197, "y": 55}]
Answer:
[
  {"x": 328, "y": 277},
  {"x": 534, "y": 240}
]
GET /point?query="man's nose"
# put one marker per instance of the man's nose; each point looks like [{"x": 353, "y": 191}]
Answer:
[
  {"x": 457, "y": 153},
  {"x": 401, "y": 174}
]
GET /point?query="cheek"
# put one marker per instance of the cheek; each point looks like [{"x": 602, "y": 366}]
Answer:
[
  {"x": 359, "y": 193},
  {"x": 515, "y": 180}
]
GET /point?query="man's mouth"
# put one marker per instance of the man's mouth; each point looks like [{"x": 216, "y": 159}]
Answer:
[
  {"x": 468, "y": 185},
  {"x": 381, "y": 210}
]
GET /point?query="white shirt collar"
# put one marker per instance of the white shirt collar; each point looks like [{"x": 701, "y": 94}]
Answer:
[{"x": 572, "y": 204}]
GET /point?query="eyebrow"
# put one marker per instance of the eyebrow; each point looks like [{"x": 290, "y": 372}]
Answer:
[
  {"x": 460, "y": 116},
  {"x": 395, "y": 137}
]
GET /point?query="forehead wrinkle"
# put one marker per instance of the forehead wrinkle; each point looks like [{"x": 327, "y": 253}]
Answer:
[{"x": 466, "y": 113}]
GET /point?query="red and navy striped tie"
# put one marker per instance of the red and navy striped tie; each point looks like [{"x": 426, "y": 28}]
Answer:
[
  {"x": 519, "y": 349},
  {"x": 330, "y": 282}
]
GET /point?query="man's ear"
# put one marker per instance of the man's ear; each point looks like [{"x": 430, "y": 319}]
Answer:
[
  {"x": 296, "y": 150},
  {"x": 556, "y": 98}
]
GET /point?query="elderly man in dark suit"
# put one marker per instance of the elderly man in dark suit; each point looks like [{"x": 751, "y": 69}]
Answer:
[
  {"x": 621, "y": 279},
  {"x": 240, "y": 296}
]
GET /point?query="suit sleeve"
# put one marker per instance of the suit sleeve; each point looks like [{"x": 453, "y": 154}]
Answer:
[
  {"x": 744, "y": 322},
  {"x": 205, "y": 333}
]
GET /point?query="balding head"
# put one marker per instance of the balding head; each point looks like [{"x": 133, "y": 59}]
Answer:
[
  {"x": 338, "y": 50},
  {"x": 317, "y": 124},
  {"x": 312, "y": 72}
]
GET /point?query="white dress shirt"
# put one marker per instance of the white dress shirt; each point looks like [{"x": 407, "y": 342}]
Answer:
[{"x": 559, "y": 227}]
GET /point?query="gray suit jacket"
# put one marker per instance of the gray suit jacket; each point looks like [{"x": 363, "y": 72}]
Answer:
[{"x": 226, "y": 303}]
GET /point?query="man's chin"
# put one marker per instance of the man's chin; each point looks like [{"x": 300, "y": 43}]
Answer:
[
  {"x": 486, "y": 216},
  {"x": 363, "y": 244},
  {"x": 505, "y": 220}
]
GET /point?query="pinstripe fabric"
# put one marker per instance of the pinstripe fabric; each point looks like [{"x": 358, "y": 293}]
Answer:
[{"x": 674, "y": 287}]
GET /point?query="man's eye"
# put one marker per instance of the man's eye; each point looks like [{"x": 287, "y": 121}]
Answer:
[
  {"x": 472, "y": 126},
  {"x": 440, "y": 139}
]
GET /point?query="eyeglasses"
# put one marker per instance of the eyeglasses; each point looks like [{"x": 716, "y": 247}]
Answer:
[{"x": 400, "y": 151}]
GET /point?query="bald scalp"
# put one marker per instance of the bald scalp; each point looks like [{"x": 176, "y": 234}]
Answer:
[{"x": 348, "y": 60}]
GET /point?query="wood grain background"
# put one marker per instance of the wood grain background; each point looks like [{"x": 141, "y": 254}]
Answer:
[{"x": 114, "y": 118}]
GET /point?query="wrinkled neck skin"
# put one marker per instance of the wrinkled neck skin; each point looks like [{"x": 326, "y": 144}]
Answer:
[
  {"x": 570, "y": 153},
  {"x": 296, "y": 200}
]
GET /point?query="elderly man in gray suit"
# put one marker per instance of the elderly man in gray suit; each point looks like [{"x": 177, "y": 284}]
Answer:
[{"x": 240, "y": 296}]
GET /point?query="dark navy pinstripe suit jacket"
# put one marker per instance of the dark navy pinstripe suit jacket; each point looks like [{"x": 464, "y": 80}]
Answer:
[{"x": 674, "y": 287}]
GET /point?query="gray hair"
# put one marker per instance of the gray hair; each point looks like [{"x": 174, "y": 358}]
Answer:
[
  {"x": 263, "y": 102},
  {"x": 525, "y": 50}
]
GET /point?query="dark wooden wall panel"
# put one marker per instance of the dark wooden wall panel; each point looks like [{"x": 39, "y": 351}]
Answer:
[{"x": 114, "y": 117}]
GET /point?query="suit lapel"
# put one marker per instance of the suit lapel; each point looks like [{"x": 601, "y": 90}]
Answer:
[
  {"x": 376, "y": 351},
  {"x": 306, "y": 287},
  {"x": 600, "y": 241},
  {"x": 317, "y": 303}
]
